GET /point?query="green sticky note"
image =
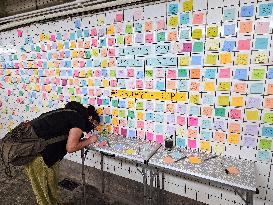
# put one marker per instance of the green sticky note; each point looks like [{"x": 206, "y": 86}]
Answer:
[
  {"x": 139, "y": 105},
  {"x": 268, "y": 118},
  {"x": 115, "y": 103},
  {"x": 21, "y": 93},
  {"x": 87, "y": 54},
  {"x": 198, "y": 47},
  {"x": 265, "y": 144},
  {"x": 15, "y": 57},
  {"x": 38, "y": 49},
  {"x": 89, "y": 73},
  {"x": 160, "y": 36},
  {"x": 60, "y": 90},
  {"x": 148, "y": 73},
  {"x": 182, "y": 73},
  {"x": 221, "y": 112},
  {"x": 78, "y": 98},
  {"x": 131, "y": 114},
  {"x": 121, "y": 113},
  {"x": 131, "y": 123},
  {"x": 129, "y": 28},
  {"x": 258, "y": 74},
  {"x": 71, "y": 91},
  {"x": 27, "y": 108},
  {"x": 113, "y": 73},
  {"x": 120, "y": 40}
]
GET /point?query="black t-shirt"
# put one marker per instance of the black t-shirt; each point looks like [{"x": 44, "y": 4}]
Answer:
[{"x": 56, "y": 124}]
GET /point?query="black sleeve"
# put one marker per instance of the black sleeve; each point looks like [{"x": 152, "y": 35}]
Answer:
[{"x": 76, "y": 121}]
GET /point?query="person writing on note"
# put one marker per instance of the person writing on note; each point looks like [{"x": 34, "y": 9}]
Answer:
[{"x": 71, "y": 121}]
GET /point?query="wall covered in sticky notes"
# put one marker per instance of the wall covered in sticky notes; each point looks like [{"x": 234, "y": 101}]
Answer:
[{"x": 200, "y": 70}]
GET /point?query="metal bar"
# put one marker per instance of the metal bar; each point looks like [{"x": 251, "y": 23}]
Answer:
[
  {"x": 144, "y": 171},
  {"x": 102, "y": 174},
  {"x": 249, "y": 198},
  {"x": 83, "y": 176}
]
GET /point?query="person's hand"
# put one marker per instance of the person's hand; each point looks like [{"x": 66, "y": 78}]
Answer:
[{"x": 92, "y": 139}]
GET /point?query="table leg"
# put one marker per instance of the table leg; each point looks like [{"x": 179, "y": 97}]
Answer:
[
  {"x": 157, "y": 187},
  {"x": 144, "y": 174},
  {"x": 102, "y": 174},
  {"x": 162, "y": 189},
  {"x": 249, "y": 198},
  {"x": 83, "y": 176},
  {"x": 151, "y": 187}
]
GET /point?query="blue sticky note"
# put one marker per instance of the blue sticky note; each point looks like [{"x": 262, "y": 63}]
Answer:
[
  {"x": 77, "y": 23},
  {"x": 102, "y": 42},
  {"x": 261, "y": 43},
  {"x": 106, "y": 101},
  {"x": 247, "y": 11},
  {"x": 159, "y": 117},
  {"x": 265, "y": 9},
  {"x": 49, "y": 55},
  {"x": 105, "y": 73},
  {"x": 229, "y": 30},
  {"x": 84, "y": 91},
  {"x": 138, "y": 27},
  {"x": 107, "y": 119},
  {"x": 66, "y": 45},
  {"x": 196, "y": 60},
  {"x": 181, "y": 142},
  {"x": 206, "y": 124},
  {"x": 140, "y": 74},
  {"x": 131, "y": 133},
  {"x": 67, "y": 64},
  {"x": 86, "y": 33},
  {"x": 149, "y": 116},
  {"x": 96, "y": 63},
  {"x": 194, "y": 110},
  {"x": 159, "y": 107},
  {"x": 72, "y": 36},
  {"x": 160, "y": 85},
  {"x": 229, "y": 14},
  {"x": 67, "y": 54},
  {"x": 97, "y": 82},
  {"x": 210, "y": 73},
  {"x": 240, "y": 74},
  {"x": 206, "y": 135},
  {"x": 159, "y": 128},
  {"x": 173, "y": 9},
  {"x": 183, "y": 85},
  {"x": 70, "y": 72},
  {"x": 88, "y": 63},
  {"x": 263, "y": 155},
  {"x": 184, "y": 18},
  {"x": 122, "y": 103},
  {"x": 208, "y": 99},
  {"x": 185, "y": 34},
  {"x": 63, "y": 73},
  {"x": 257, "y": 88},
  {"x": 270, "y": 73},
  {"x": 59, "y": 36},
  {"x": 83, "y": 83},
  {"x": 228, "y": 46},
  {"x": 122, "y": 83},
  {"x": 79, "y": 34},
  {"x": 267, "y": 131}
]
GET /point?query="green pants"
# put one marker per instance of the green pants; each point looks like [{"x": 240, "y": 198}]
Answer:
[{"x": 44, "y": 181}]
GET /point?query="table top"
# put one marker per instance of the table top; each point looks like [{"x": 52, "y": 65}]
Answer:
[
  {"x": 130, "y": 149},
  {"x": 212, "y": 169}
]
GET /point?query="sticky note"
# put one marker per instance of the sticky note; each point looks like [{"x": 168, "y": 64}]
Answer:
[
  {"x": 242, "y": 59},
  {"x": 265, "y": 144},
  {"x": 245, "y": 26},
  {"x": 265, "y": 9},
  {"x": 191, "y": 144},
  {"x": 228, "y": 46},
  {"x": 184, "y": 18},
  {"x": 212, "y": 31},
  {"x": 233, "y": 138},
  {"x": 173, "y": 8},
  {"x": 229, "y": 14},
  {"x": 268, "y": 118},
  {"x": 198, "y": 47},
  {"x": 244, "y": 44},
  {"x": 252, "y": 115},
  {"x": 173, "y": 21},
  {"x": 211, "y": 59},
  {"x": 237, "y": 101},
  {"x": 261, "y": 43},
  {"x": 225, "y": 58},
  {"x": 205, "y": 146},
  {"x": 247, "y": 11},
  {"x": 197, "y": 33},
  {"x": 258, "y": 74},
  {"x": 187, "y": 6},
  {"x": 198, "y": 18},
  {"x": 209, "y": 86},
  {"x": 223, "y": 100},
  {"x": 229, "y": 29},
  {"x": 262, "y": 27}
]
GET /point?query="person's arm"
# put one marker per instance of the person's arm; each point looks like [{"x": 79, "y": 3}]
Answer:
[{"x": 74, "y": 144}]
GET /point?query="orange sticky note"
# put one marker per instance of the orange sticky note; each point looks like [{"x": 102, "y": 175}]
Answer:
[
  {"x": 237, "y": 101},
  {"x": 268, "y": 102},
  {"x": 168, "y": 160},
  {"x": 240, "y": 87},
  {"x": 209, "y": 86},
  {"x": 233, "y": 138},
  {"x": 194, "y": 160},
  {"x": 195, "y": 73},
  {"x": 205, "y": 146},
  {"x": 207, "y": 111},
  {"x": 270, "y": 89},
  {"x": 219, "y": 136},
  {"x": 234, "y": 128},
  {"x": 232, "y": 170},
  {"x": 225, "y": 58},
  {"x": 245, "y": 26}
]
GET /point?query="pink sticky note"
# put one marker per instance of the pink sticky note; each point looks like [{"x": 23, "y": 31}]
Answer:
[
  {"x": 16, "y": 65},
  {"x": 224, "y": 73},
  {"x": 235, "y": 114},
  {"x": 107, "y": 111},
  {"x": 116, "y": 130},
  {"x": 149, "y": 136},
  {"x": 244, "y": 44},
  {"x": 119, "y": 17},
  {"x": 140, "y": 134},
  {"x": 94, "y": 32},
  {"x": 171, "y": 74},
  {"x": 160, "y": 24},
  {"x": 82, "y": 64},
  {"x": 159, "y": 139},
  {"x": 78, "y": 91},
  {"x": 138, "y": 14},
  {"x": 139, "y": 83},
  {"x": 9, "y": 92},
  {"x": 123, "y": 132},
  {"x": 187, "y": 47},
  {"x": 94, "y": 42},
  {"x": 193, "y": 121},
  {"x": 180, "y": 120},
  {"x": 111, "y": 41},
  {"x": 122, "y": 122},
  {"x": 191, "y": 144},
  {"x": 198, "y": 18},
  {"x": 19, "y": 33},
  {"x": 113, "y": 83},
  {"x": 130, "y": 72},
  {"x": 140, "y": 124},
  {"x": 91, "y": 92},
  {"x": 149, "y": 38},
  {"x": 52, "y": 37},
  {"x": 262, "y": 27}
]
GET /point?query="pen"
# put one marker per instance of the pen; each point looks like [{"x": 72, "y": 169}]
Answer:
[
  {"x": 210, "y": 157},
  {"x": 184, "y": 157}
]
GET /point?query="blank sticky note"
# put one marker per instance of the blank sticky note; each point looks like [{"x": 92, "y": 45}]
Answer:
[
  {"x": 252, "y": 115},
  {"x": 237, "y": 101}
]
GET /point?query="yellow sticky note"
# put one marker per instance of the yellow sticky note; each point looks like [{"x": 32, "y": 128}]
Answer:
[
  {"x": 197, "y": 33},
  {"x": 187, "y": 6},
  {"x": 242, "y": 59},
  {"x": 261, "y": 57},
  {"x": 131, "y": 104},
  {"x": 82, "y": 74},
  {"x": 74, "y": 54},
  {"x": 237, "y": 101},
  {"x": 130, "y": 151},
  {"x": 194, "y": 160},
  {"x": 209, "y": 86},
  {"x": 252, "y": 115},
  {"x": 225, "y": 58},
  {"x": 173, "y": 21},
  {"x": 60, "y": 46},
  {"x": 224, "y": 86},
  {"x": 219, "y": 148},
  {"x": 105, "y": 83},
  {"x": 180, "y": 131},
  {"x": 90, "y": 82},
  {"x": 57, "y": 72},
  {"x": 115, "y": 121},
  {"x": 111, "y": 30},
  {"x": 205, "y": 146},
  {"x": 212, "y": 31},
  {"x": 211, "y": 59},
  {"x": 42, "y": 37},
  {"x": 195, "y": 99},
  {"x": 115, "y": 112},
  {"x": 184, "y": 60},
  {"x": 104, "y": 63},
  {"x": 233, "y": 138},
  {"x": 95, "y": 52},
  {"x": 223, "y": 100},
  {"x": 72, "y": 44},
  {"x": 140, "y": 115},
  {"x": 212, "y": 44}
]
